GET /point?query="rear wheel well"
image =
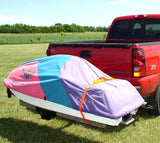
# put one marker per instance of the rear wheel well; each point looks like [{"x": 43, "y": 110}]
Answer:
[{"x": 154, "y": 101}]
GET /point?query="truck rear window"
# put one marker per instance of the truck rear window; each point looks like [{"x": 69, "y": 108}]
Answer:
[{"x": 136, "y": 29}]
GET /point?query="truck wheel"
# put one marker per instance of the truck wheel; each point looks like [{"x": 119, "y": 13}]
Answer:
[
  {"x": 158, "y": 99},
  {"x": 156, "y": 102}
]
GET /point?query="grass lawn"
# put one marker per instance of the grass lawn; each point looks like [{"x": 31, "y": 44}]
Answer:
[
  {"x": 48, "y": 38},
  {"x": 20, "y": 125}
]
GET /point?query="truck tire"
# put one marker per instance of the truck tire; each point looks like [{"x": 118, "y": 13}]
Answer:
[
  {"x": 158, "y": 99},
  {"x": 155, "y": 101}
]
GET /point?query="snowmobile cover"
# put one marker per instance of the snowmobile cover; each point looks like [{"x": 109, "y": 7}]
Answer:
[{"x": 66, "y": 80}]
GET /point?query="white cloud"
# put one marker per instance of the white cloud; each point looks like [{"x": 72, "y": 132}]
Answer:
[
  {"x": 12, "y": 19},
  {"x": 118, "y": 2}
]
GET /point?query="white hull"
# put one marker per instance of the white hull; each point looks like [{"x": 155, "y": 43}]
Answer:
[{"x": 47, "y": 105}]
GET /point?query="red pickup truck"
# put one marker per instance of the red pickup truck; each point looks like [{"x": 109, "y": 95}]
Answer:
[{"x": 131, "y": 51}]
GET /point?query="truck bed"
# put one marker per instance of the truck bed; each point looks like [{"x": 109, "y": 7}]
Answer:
[{"x": 109, "y": 57}]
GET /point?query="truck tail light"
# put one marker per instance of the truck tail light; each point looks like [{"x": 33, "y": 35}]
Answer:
[
  {"x": 48, "y": 51},
  {"x": 138, "y": 63}
]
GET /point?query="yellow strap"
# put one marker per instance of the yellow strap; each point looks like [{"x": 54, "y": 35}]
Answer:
[{"x": 101, "y": 79}]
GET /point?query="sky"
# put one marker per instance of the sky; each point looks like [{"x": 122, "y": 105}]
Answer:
[{"x": 81, "y": 12}]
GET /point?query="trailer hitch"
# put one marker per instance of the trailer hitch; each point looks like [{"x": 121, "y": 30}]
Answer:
[{"x": 9, "y": 93}]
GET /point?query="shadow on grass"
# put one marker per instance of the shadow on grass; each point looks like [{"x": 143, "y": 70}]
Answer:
[
  {"x": 18, "y": 131},
  {"x": 144, "y": 113}
]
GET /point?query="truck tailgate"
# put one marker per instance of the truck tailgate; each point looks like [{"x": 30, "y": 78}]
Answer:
[{"x": 114, "y": 59}]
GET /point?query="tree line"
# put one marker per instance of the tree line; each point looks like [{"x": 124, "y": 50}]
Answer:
[{"x": 58, "y": 27}]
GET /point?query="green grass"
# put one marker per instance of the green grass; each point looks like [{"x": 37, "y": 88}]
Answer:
[
  {"x": 48, "y": 38},
  {"x": 20, "y": 125}
]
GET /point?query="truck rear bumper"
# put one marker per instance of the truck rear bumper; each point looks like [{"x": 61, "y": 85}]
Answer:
[
  {"x": 146, "y": 86},
  {"x": 138, "y": 89}
]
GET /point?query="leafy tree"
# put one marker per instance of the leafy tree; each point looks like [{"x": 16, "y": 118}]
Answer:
[
  {"x": 67, "y": 28},
  {"x": 99, "y": 29},
  {"x": 93, "y": 29},
  {"x": 57, "y": 28}
]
